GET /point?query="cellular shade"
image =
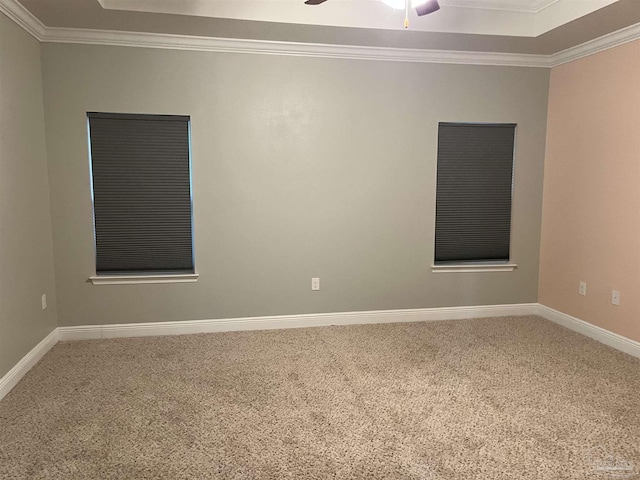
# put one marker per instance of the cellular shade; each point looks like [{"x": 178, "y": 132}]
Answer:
[
  {"x": 474, "y": 187},
  {"x": 141, "y": 193}
]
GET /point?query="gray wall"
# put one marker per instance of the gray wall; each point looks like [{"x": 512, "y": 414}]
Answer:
[
  {"x": 302, "y": 167},
  {"x": 26, "y": 252}
]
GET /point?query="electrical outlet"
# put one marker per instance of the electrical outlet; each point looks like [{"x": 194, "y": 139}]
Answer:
[
  {"x": 44, "y": 301},
  {"x": 583, "y": 288},
  {"x": 315, "y": 284},
  {"x": 615, "y": 297}
]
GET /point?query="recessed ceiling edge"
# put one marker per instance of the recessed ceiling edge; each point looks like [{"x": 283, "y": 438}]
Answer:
[{"x": 21, "y": 16}]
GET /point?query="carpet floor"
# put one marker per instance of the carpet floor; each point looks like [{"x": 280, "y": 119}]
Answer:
[{"x": 502, "y": 398}]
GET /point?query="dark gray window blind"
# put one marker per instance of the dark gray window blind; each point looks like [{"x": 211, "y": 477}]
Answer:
[
  {"x": 474, "y": 187},
  {"x": 141, "y": 193}
]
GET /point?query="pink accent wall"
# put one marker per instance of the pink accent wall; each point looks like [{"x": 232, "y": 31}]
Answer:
[{"x": 591, "y": 205}]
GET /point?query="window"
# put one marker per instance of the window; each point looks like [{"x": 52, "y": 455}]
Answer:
[
  {"x": 140, "y": 168},
  {"x": 473, "y": 194}
]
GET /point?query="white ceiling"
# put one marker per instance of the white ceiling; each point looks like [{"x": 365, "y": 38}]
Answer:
[{"x": 522, "y": 18}]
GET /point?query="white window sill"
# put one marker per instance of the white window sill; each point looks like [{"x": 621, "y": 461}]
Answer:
[
  {"x": 137, "y": 279},
  {"x": 473, "y": 268}
]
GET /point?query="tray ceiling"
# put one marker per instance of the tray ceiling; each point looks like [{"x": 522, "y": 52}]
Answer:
[
  {"x": 527, "y": 18},
  {"x": 533, "y": 30}
]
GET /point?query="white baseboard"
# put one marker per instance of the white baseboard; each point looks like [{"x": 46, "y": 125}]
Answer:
[
  {"x": 85, "y": 332},
  {"x": 292, "y": 321},
  {"x": 611, "y": 339},
  {"x": 21, "y": 368}
]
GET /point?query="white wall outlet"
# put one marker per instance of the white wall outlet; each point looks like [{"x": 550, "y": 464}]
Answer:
[
  {"x": 615, "y": 297},
  {"x": 44, "y": 301},
  {"x": 583, "y": 288},
  {"x": 315, "y": 284}
]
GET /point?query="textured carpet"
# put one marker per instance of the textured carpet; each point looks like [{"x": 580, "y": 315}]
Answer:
[{"x": 508, "y": 398}]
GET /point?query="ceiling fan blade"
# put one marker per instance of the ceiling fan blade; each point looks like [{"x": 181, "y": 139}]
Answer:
[
  {"x": 427, "y": 7},
  {"x": 314, "y": 2}
]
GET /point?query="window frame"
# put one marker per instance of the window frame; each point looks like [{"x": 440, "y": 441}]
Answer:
[
  {"x": 138, "y": 276},
  {"x": 473, "y": 266}
]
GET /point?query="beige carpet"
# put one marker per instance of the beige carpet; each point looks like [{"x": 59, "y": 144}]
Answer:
[{"x": 509, "y": 398}]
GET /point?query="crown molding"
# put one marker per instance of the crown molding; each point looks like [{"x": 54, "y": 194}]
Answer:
[
  {"x": 543, "y": 4},
  {"x": 230, "y": 45},
  {"x": 20, "y": 15},
  {"x": 501, "y": 5},
  {"x": 613, "y": 39},
  {"x": 23, "y": 17}
]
